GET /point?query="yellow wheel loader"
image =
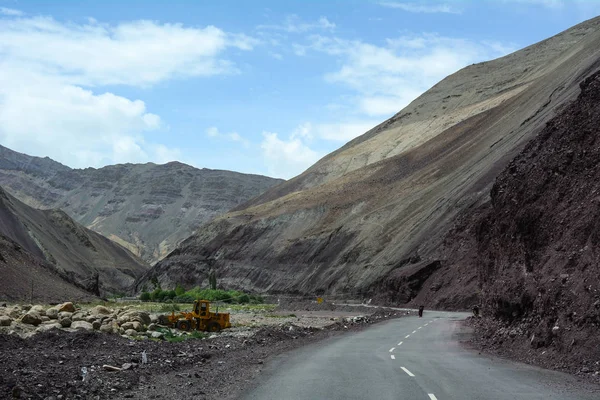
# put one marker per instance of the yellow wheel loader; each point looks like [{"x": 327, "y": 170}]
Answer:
[{"x": 201, "y": 318}]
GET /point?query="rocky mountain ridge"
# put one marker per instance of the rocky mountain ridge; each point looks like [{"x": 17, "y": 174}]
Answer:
[
  {"x": 371, "y": 217},
  {"x": 47, "y": 249},
  {"x": 147, "y": 208}
]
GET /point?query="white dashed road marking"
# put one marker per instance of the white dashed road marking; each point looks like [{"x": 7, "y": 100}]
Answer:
[
  {"x": 407, "y": 371},
  {"x": 432, "y": 396},
  {"x": 414, "y": 331},
  {"x": 406, "y": 337},
  {"x": 393, "y": 357},
  {"x": 420, "y": 327},
  {"x": 400, "y": 344},
  {"x": 392, "y": 349}
]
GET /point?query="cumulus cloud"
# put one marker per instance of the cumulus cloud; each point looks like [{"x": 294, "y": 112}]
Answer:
[
  {"x": 386, "y": 78},
  {"x": 50, "y": 73},
  {"x": 420, "y": 7},
  {"x": 214, "y": 132},
  {"x": 286, "y": 158}
]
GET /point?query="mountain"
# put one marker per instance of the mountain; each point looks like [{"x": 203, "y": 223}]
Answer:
[
  {"x": 63, "y": 249},
  {"x": 146, "y": 208},
  {"x": 371, "y": 217}
]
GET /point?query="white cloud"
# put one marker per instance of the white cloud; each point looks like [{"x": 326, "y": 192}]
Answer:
[
  {"x": 286, "y": 158},
  {"x": 10, "y": 12},
  {"x": 49, "y": 72},
  {"x": 214, "y": 132},
  {"x": 386, "y": 78},
  {"x": 420, "y": 7},
  {"x": 137, "y": 53},
  {"x": 293, "y": 24}
]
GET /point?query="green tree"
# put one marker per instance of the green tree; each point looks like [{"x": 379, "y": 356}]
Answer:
[
  {"x": 212, "y": 279},
  {"x": 179, "y": 290},
  {"x": 145, "y": 296}
]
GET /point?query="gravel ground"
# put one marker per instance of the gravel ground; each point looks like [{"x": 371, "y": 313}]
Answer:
[{"x": 49, "y": 364}]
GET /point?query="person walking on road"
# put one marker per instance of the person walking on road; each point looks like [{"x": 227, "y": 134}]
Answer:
[{"x": 421, "y": 308}]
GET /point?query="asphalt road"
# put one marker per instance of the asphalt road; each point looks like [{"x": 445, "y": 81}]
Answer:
[{"x": 412, "y": 359}]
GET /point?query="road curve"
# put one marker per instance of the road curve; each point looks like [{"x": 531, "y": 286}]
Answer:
[{"x": 411, "y": 359}]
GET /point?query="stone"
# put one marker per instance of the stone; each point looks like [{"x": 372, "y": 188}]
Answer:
[
  {"x": 135, "y": 325},
  {"x": 126, "y": 366},
  {"x": 130, "y": 316},
  {"x": 5, "y": 320},
  {"x": 81, "y": 325},
  {"x": 152, "y": 327},
  {"x": 157, "y": 335},
  {"x": 39, "y": 309},
  {"x": 100, "y": 310},
  {"x": 555, "y": 330},
  {"x": 65, "y": 322},
  {"x": 69, "y": 307},
  {"x": 130, "y": 332},
  {"x": 31, "y": 318},
  {"x": 65, "y": 314},
  {"x": 47, "y": 327},
  {"x": 96, "y": 325},
  {"x": 14, "y": 313},
  {"x": 45, "y": 318},
  {"x": 106, "y": 329},
  {"x": 52, "y": 313},
  {"x": 79, "y": 317},
  {"x": 111, "y": 368}
]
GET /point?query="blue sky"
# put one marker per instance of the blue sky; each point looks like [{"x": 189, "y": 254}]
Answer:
[{"x": 263, "y": 87}]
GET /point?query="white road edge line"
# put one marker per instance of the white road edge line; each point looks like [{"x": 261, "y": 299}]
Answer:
[
  {"x": 392, "y": 349},
  {"x": 407, "y": 371},
  {"x": 406, "y": 337},
  {"x": 400, "y": 344},
  {"x": 393, "y": 357},
  {"x": 432, "y": 396}
]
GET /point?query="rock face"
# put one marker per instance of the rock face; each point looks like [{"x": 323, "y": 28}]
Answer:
[
  {"x": 534, "y": 248},
  {"x": 146, "y": 208},
  {"x": 67, "y": 249},
  {"x": 370, "y": 218}
]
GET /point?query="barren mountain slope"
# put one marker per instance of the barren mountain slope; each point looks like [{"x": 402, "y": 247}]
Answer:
[
  {"x": 146, "y": 208},
  {"x": 534, "y": 248},
  {"x": 26, "y": 278},
  {"x": 85, "y": 257},
  {"x": 370, "y": 216}
]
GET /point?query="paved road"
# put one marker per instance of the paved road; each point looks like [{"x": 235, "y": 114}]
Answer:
[{"x": 410, "y": 358}]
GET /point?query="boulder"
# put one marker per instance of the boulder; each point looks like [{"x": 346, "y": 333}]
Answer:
[
  {"x": 152, "y": 327},
  {"x": 65, "y": 314},
  {"x": 157, "y": 335},
  {"x": 65, "y": 322},
  {"x": 47, "y": 327},
  {"x": 31, "y": 318},
  {"x": 45, "y": 318},
  {"x": 130, "y": 316},
  {"x": 52, "y": 313},
  {"x": 90, "y": 319},
  {"x": 96, "y": 325},
  {"x": 39, "y": 309},
  {"x": 14, "y": 313},
  {"x": 69, "y": 307},
  {"x": 79, "y": 317},
  {"x": 107, "y": 329},
  {"x": 135, "y": 325},
  {"x": 100, "y": 310},
  {"x": 84, "y": 325},
  {"x": 5, "y": 320},
  {"x": 130, "y": 332}
]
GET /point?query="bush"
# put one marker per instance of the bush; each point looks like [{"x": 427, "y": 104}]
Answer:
[
  {"x": 145, "y": 296},
  {"x": 179, "y": 290},
  {"x": 243, "y": 299}
]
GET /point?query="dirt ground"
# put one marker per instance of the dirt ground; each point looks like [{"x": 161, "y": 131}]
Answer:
[{"x": 49, "y": 365}]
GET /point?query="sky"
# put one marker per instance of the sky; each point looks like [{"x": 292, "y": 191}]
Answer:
[{"x": 263, "y": 87}]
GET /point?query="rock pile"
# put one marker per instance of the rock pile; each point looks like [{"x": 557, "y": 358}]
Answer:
[{"x": 26, "y": 320}]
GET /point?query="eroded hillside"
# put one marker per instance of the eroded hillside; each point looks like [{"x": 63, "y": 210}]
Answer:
[
  {"x": 63, "y": 247},
  {"x": 146, "y": 208},
  {"x": 371, "y": 216}
]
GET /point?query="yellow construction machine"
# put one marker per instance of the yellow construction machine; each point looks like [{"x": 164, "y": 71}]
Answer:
[{"x": 201, "y": 318}]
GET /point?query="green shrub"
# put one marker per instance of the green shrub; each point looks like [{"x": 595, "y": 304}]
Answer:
[
  {"x": 145, "y": 296},
  {"x": 179, "y": 290},
  {"x": 167, "y": 308},
  {"x": 243, "y": 299}
]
